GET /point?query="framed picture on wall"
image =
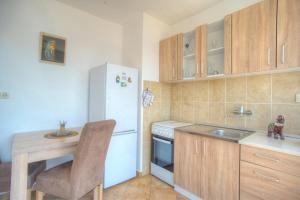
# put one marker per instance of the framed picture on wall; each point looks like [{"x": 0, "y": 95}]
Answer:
[{"x": 52, "y": 48}]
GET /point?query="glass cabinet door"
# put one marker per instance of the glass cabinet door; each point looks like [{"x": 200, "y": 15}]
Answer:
[
  {"x": 215, "y": 49},
  {"x": 189, "y": 55}
]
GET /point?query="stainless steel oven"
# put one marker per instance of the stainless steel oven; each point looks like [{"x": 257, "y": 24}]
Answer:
[
  {"x": 163, "y": 152},
  {"x": 162, "y": 158}
]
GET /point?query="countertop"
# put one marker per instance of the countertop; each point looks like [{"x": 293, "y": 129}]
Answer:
[
  {"x": 206, "y": 130},
  {"x": 261, "y": 140},
  {"x": 290, "y": 145}
]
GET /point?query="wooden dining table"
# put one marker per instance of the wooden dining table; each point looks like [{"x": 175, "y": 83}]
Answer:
[{"x": 31, "y": 147}]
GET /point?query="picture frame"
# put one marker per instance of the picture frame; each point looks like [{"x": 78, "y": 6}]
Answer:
[{"x": 52, "y": 49}]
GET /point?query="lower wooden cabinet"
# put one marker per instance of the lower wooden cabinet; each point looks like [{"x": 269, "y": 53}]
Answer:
[
  {"x": 268, "y": 175},
  {"x": 259, "y": 182},
  {"x": 207, "y": 167},
  {"x": 220, "y": 169},
  {"x": 283, "y": 162},
  {"x": 188, "y": 162}
]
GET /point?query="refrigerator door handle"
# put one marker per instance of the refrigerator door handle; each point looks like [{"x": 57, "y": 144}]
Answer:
[{"x": 124, "y": 132}]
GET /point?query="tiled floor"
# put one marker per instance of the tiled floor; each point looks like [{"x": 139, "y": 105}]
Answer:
[{"x": 141, "y": 188}]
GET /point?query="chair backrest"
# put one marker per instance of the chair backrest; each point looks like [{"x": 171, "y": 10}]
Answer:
[{"x": 88, "y": 165}]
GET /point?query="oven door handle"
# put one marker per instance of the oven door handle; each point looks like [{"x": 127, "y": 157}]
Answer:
[{"x": 161, "y": 140}]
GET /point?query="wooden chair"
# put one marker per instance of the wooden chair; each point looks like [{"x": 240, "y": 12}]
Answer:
[
  {"x": 74, "y": 179},
  {"x": 5, "y": 176}
]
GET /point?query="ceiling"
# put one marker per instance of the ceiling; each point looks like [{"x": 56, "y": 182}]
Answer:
[{"x": 167, "y": 11}]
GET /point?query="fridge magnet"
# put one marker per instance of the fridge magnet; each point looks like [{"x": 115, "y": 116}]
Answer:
[
  {"x": 124, "y": 77},
  {"x": 123, "y": 84},
  {"x": 129, "y": 80},
  {"x": 148, "y": 98},
  {"x": 117, "y": 79},
  {"x": 123, "y": 80},
  {"x": 52, "y": 48}
]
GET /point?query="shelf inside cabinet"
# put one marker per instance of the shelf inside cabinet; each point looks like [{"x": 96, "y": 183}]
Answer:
[
  {"x": 188, "y": 78},
  {"x": 189, "y": 55},
  {"x": 216, "y": 51},
  {"x": 215, "y": 75}
]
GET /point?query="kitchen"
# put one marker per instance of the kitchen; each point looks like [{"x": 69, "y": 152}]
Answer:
[
  {"x": 215, "y": 78},
  {"x": 208, "y": 88}
]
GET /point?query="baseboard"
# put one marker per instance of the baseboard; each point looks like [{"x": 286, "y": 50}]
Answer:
[
  {"x": 186, "y": 193},
  {"x": 138, "y": 174}
]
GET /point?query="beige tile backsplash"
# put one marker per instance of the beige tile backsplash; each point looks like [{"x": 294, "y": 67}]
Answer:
[
  {"x": 213, "y": 102},
  {"x": 159, "y": 111}
]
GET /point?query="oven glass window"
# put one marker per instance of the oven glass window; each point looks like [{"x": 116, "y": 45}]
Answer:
[{"x": 162, "y": 152}]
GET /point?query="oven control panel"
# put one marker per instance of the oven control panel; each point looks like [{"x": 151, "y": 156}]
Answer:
[{"x": 166, "y": 128}]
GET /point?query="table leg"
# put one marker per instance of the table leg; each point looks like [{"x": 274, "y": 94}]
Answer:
[
  {"x": 19, "y": 175},
  {"x": 29, "y": 191}
]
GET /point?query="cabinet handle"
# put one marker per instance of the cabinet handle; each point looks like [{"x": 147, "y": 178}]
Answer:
[
  {"x": 173, "y": 72},
  {"x": 283, "y": 54},
  {"x": 266, "y": 177},
  {"x": 197, "y": 68},
  {"x": 269, "y": 56},
  {"x": 196, "y": 146},
  {"x": 266, "y": 157}
]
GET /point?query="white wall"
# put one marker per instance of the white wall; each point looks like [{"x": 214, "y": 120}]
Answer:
[
  {"x": 132, "y": 57},
  {"x": 42, "y": 94},
  {"x": 132, "y": 40},
  {"x": 212, "y": 14},
  {"x": 153, "y": 31}
]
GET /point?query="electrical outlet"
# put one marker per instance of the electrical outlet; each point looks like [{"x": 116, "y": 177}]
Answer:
[
  {"x": 298, "y": 98},
  {"x": 4, "y": 95}
]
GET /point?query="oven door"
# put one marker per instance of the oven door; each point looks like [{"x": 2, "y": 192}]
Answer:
[{"x": 162, "y": 152}]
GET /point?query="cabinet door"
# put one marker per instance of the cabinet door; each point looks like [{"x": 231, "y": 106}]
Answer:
[
  {"x": 168, "y": 59},
  {"x": 288, "y": 33},
  {"x": 254, "y": 38},
  {"x": 188, "y": 162},
  {"x": 221, "y": 170},
  {"x": 179, "y": 68},
  {"x": 201, "y": 51},
  {"x": 227, "y": 44}
]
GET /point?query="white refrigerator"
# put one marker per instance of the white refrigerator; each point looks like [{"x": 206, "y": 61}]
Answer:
[{"x": 113, "y": 94}]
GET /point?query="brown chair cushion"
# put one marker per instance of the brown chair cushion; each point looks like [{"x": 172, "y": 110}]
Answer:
[{"x": 56, "y": 181}]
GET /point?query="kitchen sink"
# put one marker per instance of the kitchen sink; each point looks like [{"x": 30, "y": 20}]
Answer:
[
  {"x": 230, "y": 133},
  {"x": 219, "y": 132}
]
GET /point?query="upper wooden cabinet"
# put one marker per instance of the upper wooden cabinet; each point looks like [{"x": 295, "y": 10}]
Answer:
[
  {"x": 168, "y": 59},
  {"x": 261, "y": 37},
  {"x": 288, "y": 33},
  {"x": 254, "y": 38}
]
